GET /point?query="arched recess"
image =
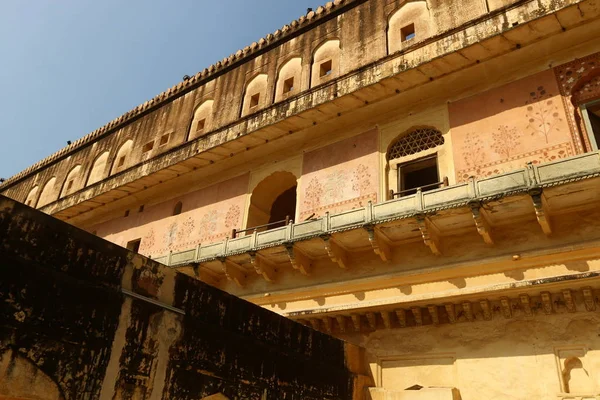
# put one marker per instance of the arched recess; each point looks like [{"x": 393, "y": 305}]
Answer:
[
  {"x": 70, "y": 185},
  {"x": 412, "y": 161},
  {"x": 408, "y": 24},
  {"x": 273, "y": 199},
  {"x": 255, "y": 95},
  {"x": 576, "y": 378},
  {"x": 98, "y": 169},
  {"x": 289, "y": 79},
  {"x": 122, "y": 160},
  {"x": 202, "y": 120},
  {"x": 22, "y": 379},
  {"x": 48, "y": 194},
  {"x": 30, "y": 200},
  {"x": 326, "y": 62}
]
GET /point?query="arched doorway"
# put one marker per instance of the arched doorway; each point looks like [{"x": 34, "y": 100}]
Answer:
[{"x": 273, "y": 202}]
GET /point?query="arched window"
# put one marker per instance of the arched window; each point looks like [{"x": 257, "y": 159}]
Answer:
[
  {"x": 255, "y": 96},
  {"x": 202, "y": 120},
  {"x": 122, "y": 161},
  {"x": 289, "y": 79},
  {"x": 586, "y": 96},
  {"x": 326, "y": 62},
  {"x": 31, "y": 197},
  {"x": 48, "y": 193},
  {"x": 408, "y": 24},
  {"x": 413, "y": 162},
  {"x": 576, "y": 378},
  {"x": 69, "y": 185},
  {"x": 98, "y": 168},
  {"x": 178, "y": 208}
]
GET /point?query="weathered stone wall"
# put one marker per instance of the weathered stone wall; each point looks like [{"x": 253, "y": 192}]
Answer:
[{"x": 84, "y": 319}]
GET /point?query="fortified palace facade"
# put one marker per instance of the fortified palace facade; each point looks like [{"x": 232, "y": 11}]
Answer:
[{"x": 418, "y": 178}]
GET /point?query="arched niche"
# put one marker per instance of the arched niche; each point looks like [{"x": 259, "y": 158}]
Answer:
[
  {"x": 48, "y": 194},
  {"x": 98, "y": 168},
  {"x": 22, "y": 379},
  {"x": 576, "y": 378},
  {"x": 202, "y": 120},
  {"x": 31, "y": 197},
  {"x": 122, "y": 160},
  {"x": 70, "y": 183},
  {"x": 326, "y": 62},
  {"x": 255, "y": 96},
  {"x": 408, "y": 24},
  {"x": 289, "y": 79},
  {"x": 273, "y": 199}
]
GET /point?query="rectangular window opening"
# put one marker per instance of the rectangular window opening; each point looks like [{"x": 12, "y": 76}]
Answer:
[
  {"x": 326, "y": 68},
  {"x": 254, "y": 100},
  {"x": 134, "y": 245},
  {"x": 591, "y": 116},
  {"x": 126, "y": 213},
  {"x": 141, "y": 208},
  {"x": 70, "y": 184},
  {"x": 288, "y": 85},
  {"x": 164, "y": 139},
  {"x": 121, "y": 162},
  {"x": 408, "y": 32},
  {"x": 148, "y": 147},
  {"x": 200, "y": 125},
  {"x": 421, "y": 173}
]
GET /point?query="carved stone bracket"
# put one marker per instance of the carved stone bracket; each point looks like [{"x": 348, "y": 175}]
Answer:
[
  {"x": 263, "y": 267},
  {"x": 336, "y": 253},
  {"x": 541, "y": 210},
  {"x": 315, "y": 324},
  {"x": 468, "y": 310},
  {"x": 328, "y": 324},
  {"x": 526, "y": 304},
  {"x": 380, "y": 246},
  {"x": 433, "y": 312},
  {"x": 401, "y": 315},
  {"x": 341, "y": 320},
  {"x": 481, "y": 222},
  {"x": 569, "y": 301},
  {"x": 505, "y": 306},
  {"x": 233, "y": 272},
  {"x": 299, "y": 260},
  {"x": 372, "y": 319},
  {"x": 356, "y": 322},
  {"x": 429, "y": 234},
  {"x": 546, "y": 302},
  {"x": 204, "y": 274},
  {"x": 418, "y": 315},
  {"x": 588, "y": 299},
  {"x": 486, "y": 311},
  {"x": 450, "y": 312},
  {"x": 387, "y": 322}
]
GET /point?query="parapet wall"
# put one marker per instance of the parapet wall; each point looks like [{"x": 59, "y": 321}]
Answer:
[{"x": 82, "y": 318}]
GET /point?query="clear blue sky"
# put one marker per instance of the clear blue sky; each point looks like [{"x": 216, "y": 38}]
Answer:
[{"x": 70, "y": 66}]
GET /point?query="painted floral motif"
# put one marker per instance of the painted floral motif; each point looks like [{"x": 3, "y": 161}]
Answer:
[
  {"x": 505, "y": 141},
  {"x": 473, "y": 150},
  {"x": 232, "y": 217},
  {"x": 208, "y": 223},
  {"x": 542, "y": 113},
  {"x": 148, "y": 241},
  {"x": 314, "y": 193},
  {"x": 335, "y": 183},
  {"x": 171, "y": 234},
  {"x": 361, "y": 179},
  {"x": 186, "y": 229}
]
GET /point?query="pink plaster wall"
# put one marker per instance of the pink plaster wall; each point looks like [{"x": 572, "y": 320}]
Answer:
[
  {"x": 208, "y": 215},
  {"x": 339, "y": 177},
  {"x": 504, "y": 128}
]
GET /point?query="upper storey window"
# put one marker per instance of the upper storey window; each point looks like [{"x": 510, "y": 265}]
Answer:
[
  {"x": 289, "y": 78},
  {"x": 413, "y": 162},
  {"x": 201, "y": 123},
  {"x": 408, "y": 23},
  {"x": 326, "y": 63},
  {"x": 255, "y": 95},
  {"x": 122, "y": 159},
  {"x": 48, "y": 193},
  {"x": 31, "y": 197}
]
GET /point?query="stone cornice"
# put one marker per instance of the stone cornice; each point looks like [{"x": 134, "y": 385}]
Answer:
[{"x": 287, "y": 32}]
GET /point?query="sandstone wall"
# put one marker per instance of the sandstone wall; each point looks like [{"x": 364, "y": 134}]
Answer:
[{"x": 84, "y": 319}]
